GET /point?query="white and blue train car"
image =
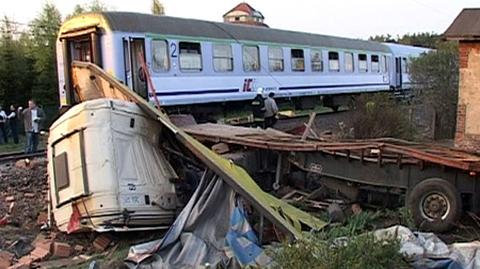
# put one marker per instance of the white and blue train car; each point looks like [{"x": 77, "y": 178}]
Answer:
[
  {"x": 403, "y": 54},
  {"x": 193, "y": 62}
]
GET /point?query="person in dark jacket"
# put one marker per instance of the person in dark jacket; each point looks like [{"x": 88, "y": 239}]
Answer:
[
  {"x": 33, "y": 117},
  {"x": 13, "y": 123},
  {"x": 258, "y": 108}
]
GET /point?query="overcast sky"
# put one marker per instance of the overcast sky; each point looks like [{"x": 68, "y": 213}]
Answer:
[{"x": 349, "y": 18}]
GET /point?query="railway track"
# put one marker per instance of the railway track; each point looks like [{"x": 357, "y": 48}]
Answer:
[{"x": 8, "y": 157}]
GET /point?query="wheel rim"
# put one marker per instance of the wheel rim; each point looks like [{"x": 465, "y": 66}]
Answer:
[{"x": 435, "y": 206}]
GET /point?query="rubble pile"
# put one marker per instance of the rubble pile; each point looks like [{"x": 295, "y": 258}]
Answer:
[{"x": 26, "y": 241}]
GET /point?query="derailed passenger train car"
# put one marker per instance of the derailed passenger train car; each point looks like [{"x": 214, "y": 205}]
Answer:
[{"x": 195, "y": 62}]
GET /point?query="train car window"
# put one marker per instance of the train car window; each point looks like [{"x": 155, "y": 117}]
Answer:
[
  {"x": 275, "y": 59},
  {"x": 405, "y": 66},
  {"x": 190, "y": 56},
  {"x": 362, "y": 63},
  {"x": 160, "y": 56},
  {"x": 349, "y": 62},
  {"x": 298, "y": 60},
  {"x": 81, "y": 50},
  {"x": 333, "y": 61},
  {"x": 251, "y": 59},
  {"x": 384, "y": 64},
  {"x": 317, "y": 60},
  {"x": 375, "y": 64},
  {"x": 222, "y": 58}
]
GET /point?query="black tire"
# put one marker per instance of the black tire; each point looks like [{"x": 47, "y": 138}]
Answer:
[{"x": 435, "y": 205}]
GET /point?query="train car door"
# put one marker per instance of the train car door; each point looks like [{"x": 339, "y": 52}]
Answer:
[
  {"x": 137, "y": 57},
  {"x": 127, "y": 64},
  {"x": 398, "y": 72},
  {"x": 84, "y": 47}
]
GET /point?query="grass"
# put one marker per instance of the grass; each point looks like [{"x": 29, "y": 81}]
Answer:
[
  {"x": 350, "y": 246},
  {"x": 13, "y": 148}
]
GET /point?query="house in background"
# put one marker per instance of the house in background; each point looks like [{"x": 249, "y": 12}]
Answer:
[
  {"x": 466, "y": 30},
  {"x": 243, "y": 13}
]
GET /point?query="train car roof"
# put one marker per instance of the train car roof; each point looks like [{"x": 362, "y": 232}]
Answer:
[
  {"x": 407, "y": 50},
  {"x": 165, "y": 25}
]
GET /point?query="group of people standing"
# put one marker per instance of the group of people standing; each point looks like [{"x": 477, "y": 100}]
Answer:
[
  {"x": 266, "y": 109},
  {"x": 32, "y": 117}
]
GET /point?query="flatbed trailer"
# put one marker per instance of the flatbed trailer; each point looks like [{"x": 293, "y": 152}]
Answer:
[{"x": 438, "y": 182}]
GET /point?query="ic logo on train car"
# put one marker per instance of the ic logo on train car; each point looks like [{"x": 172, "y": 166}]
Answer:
[{"x": 247, "y": 84}]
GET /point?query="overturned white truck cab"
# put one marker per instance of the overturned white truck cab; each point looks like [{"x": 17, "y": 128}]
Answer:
[{"x": 107, "y": 172}]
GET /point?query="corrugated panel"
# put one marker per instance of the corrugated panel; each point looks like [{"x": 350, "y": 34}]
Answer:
[{"x": 465, "y": 26}]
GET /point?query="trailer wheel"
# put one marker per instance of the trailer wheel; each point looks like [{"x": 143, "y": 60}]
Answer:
[{"x": 435, "y": 205}]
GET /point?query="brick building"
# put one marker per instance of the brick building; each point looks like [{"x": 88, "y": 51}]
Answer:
[
  {"x": 466, "y": 30},
  {"x": 243, "y": 13}
]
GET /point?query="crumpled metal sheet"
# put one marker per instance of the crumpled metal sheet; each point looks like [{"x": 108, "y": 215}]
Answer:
[
  {"x": 427, "y": 251},
  {"x": 210, "y": 230}
]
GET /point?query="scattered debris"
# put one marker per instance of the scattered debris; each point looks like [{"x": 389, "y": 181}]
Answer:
[
  {"x": 61, "y": 250},
  {"x": 102, "y": 242}
]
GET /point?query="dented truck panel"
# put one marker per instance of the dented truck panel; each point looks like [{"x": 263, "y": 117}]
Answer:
[{"x": 104, "y": 161}]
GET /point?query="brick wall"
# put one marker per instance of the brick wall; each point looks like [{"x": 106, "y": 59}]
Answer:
[{"x": 467, "y": 135}]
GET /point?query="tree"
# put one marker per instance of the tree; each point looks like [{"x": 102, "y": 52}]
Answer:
[
  {"x": 157, "y": 8},
  {"x": 94, "y": 6},
  {"x": 44, "y": 30},
  {"x": 436, "y": 78},
  {"x": 427, "y": 40},
  {"x": 15, "y": 66}
]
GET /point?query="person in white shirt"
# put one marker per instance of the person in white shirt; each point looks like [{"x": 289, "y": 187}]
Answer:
[
  {"x": 3, "y": 127},
  {"x": 271, "y": 111},
  {"x": 13, "y": 123},
  {"x": 33, "y": 116}
]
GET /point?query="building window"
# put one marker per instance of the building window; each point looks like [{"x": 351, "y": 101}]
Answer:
[
  {"x": 348, "y": 62},
  {"x": 362, "y": 63},
  {"x": 190, "y": 56},
  {"x": 317, "y": 60},
  {"x": 384, "y": 64},
  {"x": 275, "y": 59},
  {"x": 333, "y": 61},
  {"x": 222, "y": 57},
  {"x": 298, "y": 60},
  {"x": 251, "y": 59},
  {"x": 375, "y": 64},
  {"x": 160, "y": 56}
]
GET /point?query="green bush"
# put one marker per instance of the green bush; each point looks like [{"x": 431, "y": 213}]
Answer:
[
  {"x": 342, "y": 247},
  {"x": 379, "y": 115}
]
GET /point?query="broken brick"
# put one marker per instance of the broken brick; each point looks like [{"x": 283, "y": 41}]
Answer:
[
  {"x": 78, "y": 248},
  {"x": 10, "y": 199},
  {"x": 102, "y": 242},
  {"x": 42, "y": 218},
  {"x": 45, "y": 244},
  {"x": 61, "y": 250},
  {"x": 24, "y": 262},
  {"x": 5, "y": 259},
  {"x": 39, "y": 254},
  {"x": 29, "y": 195}
]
